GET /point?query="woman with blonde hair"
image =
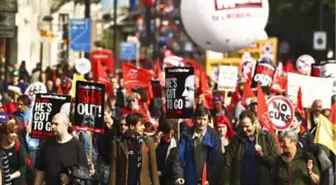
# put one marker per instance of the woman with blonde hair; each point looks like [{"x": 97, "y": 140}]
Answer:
[{"x": 10, "y": 144}]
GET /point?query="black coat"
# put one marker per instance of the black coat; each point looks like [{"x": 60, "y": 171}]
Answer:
[{"x": 167, "y": 177}]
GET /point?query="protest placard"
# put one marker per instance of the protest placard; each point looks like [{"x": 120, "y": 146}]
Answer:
[
  {"x": 89, "y": 107},
  {"x": 180, "y": 91},
  {"x": 44, "y": 108}
]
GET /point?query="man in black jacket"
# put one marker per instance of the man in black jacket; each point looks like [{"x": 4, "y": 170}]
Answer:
[{"x": 165, "y": 152}]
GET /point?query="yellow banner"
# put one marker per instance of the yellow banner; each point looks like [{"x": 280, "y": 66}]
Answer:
[
  {"x": 76, "y": 77},
  {"x": 257, "y": 50},
  {"x": 326, "y": 133}
]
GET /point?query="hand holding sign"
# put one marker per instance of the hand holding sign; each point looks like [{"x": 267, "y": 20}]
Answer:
[{"x": 259, "y": 150}]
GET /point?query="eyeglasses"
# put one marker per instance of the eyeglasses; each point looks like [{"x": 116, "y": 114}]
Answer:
[{"x": 285, "y": 141}]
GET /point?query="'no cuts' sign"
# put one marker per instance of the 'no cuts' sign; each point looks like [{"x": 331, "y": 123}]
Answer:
[{"x": 280, "y": 112}]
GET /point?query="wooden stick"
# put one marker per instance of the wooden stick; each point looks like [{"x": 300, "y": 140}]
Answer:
[{"x": 91, "y": 148}]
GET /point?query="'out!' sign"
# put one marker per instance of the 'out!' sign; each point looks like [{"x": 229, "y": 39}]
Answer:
[{"x": 280, "y": 112}]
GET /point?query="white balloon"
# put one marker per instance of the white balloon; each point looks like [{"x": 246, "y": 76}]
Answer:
[
  {"x": 83, "y": 66},
  {"x": 304, "y": 64},
  {"x": 262, "y": 35},
  {"x": 224, "y": 25}
]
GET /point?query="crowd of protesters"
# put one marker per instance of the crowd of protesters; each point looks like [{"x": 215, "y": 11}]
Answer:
[{"x": 141, "y": 147}]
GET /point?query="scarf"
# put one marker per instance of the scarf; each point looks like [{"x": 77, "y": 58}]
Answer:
[{"x": 137, "y": 152}]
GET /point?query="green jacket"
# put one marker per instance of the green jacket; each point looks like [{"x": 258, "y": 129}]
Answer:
[
  {"x": 294, "y": 171},
  {"x": 234, "y": 158}
]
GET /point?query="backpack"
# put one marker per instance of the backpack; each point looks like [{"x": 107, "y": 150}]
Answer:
[
  {"x": 79, "y": 175},
  {"x": 28, "y": 159}
]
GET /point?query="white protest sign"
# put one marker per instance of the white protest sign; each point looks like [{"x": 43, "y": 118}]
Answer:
[
  {"x": 313, "y": 88},
  {"x": 34, "y": 88},
  {"x": 280, "y": 112},
  {"x": 83, "y": 66},
  {"x": 227, "y": 78}
]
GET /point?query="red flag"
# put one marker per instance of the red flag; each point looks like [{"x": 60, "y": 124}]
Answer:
[
  {"x": 290, "y": 67},
  {"x": 262, "y": 113},
  {"x": 247, "y": 93},
  {"x": 100, "y": 76},
  {"x": 299, "y": 106},
  {"x": 205, "y": 90},
  {"x": 333, "y": 113},
  {"x": 170, "y": 59},
  {"x": 235, "y": 98},
  {"x": 59, "y": 90},
  {"x": 279, "y": 84},
  {"x": 197, "y": 67},
  {"x": 204, "y": 174},
  {"x": 140, "y": 77}
]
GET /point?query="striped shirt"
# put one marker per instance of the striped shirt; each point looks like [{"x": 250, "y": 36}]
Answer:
[{"x": 6, "y": 172}]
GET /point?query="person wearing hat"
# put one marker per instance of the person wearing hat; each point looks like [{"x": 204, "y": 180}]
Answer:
[
  {"x": 15, "y": 81},
  {"x": 9, "y": 99},
  {"x": 220, "y": 109},
  {"x": 252, "y": 104}
]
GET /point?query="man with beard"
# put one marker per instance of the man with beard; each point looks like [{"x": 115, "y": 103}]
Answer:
[{"x": 250, "y": 155}]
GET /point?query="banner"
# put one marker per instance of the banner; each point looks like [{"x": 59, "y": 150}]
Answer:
[
  {"x": 324, "y": 70},
  {"x": 257, "y": 50},
  {"x": 228, "y": 77},
  {"x": 180, "y": 84},
  {"x": 89, "y": 107},
  {"x": 264, "y": 73},
  {"x": 313, "y": 88},
  {"x": 44, "y": 109}
]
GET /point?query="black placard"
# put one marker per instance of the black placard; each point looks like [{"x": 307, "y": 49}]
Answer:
[
  {"x": 89, "y": 107},
  {"x": 263, "y": 74},
  {"x": 179, "y": 92},
  {"x": 44, "y": 109}
]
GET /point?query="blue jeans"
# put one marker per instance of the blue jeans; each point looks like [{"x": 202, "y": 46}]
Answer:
[{"x": 32, "y": 155}]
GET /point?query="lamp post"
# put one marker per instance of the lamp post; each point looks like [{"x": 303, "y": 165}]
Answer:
[
  {"x": 321, "y": 5},
  {"x": 115, "y": 4},
  {"x": 87, "y": 13}
]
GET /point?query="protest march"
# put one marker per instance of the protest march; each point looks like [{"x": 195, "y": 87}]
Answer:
[
  {"x": 167, "y": 92},
  {"x": 172, "y": 126}
]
